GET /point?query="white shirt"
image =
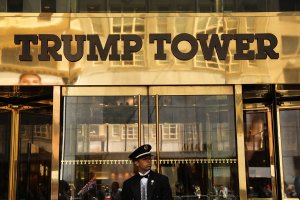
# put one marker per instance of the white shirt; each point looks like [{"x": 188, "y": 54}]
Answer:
[{"x": 144, "y": 183}]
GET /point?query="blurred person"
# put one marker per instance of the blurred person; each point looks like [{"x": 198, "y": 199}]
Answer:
[
  {"x": 30, "y": 79},
  {"x": 255, "y": 136},
  {"x": 115, "y": 191},
  {"x": 89, "y": 190},
  {"x": 297, "y": 186},
  {"x": 64, "y": 190}
]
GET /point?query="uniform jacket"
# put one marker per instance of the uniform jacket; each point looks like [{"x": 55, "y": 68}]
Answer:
[{"x": 158, "y": 188}]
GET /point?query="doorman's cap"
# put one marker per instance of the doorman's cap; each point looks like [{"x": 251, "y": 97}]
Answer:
[{"x": 140, "y": 152}]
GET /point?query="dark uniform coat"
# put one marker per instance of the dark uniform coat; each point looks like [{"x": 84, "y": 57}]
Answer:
[{"x": 158, "y": 187}]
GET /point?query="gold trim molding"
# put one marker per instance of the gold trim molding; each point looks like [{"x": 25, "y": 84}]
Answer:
[{"x": 161, "y": 161}]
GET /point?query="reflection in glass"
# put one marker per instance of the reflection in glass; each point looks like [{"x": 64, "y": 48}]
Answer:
[
  {"x": 90, "y": 6},
  {"x": 148, "y": 121},
  {"x": 5, "y": 126},
  {"x": 37, "y": 6},
  {"x": 99, "y": 133},
  {"x": 197, "y": 141},
  {"x": 290, "y": 143},
  {"x": 172, "y": 5},
  {"x": 127, "y": 5},
  {"x": 257, "y": 155},
  {"x": 35, "y": 153},
  {"x": 204, "y": 6}
]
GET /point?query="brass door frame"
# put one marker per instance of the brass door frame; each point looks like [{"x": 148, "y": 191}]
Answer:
[
  {"x": 262, "y": 108},
  {"x": 190, "y": 90},
  {"x": 240, "y": 141},
  {"x": 55, "y": 142},
  {"x": 13, "y": 164}
]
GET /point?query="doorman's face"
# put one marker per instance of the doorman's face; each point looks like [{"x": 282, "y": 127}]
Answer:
[{"x": 144, "y": 164}]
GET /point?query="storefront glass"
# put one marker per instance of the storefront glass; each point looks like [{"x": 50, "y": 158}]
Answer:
[
  {"x": 5, "y": 125},
  {"x": 203, "y": 6},
  {"x": 35, "y": 154},
  {"x": 195, "y": 136},
  {"x": 198, "y": 145},
  {"x": 257, "y": 154},
  {"x": 290, "y": 143},
  {"x": 99, "y": 133}
]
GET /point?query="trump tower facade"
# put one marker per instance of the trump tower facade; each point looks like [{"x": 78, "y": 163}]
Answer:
[{"x": 212, "y": 85}]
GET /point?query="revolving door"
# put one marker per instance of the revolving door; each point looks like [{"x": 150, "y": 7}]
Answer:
[{"x": 26, "y": 142}]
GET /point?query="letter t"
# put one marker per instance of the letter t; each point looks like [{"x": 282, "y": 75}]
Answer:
[{"x": 25, "y": 40}]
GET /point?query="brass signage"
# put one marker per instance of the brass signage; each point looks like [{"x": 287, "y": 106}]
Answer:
[
  {"x": 150, "y": 48},
  {"x": 242, "y": 42}
]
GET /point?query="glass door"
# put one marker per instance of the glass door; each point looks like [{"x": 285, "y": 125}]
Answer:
[
  {"x": 35, "y": 153},
  {"x": 100, "y": 129},
  {"x": 288, "y": 111},
  {"x": 259, "y": 153},
  {"x": 25, "y": 142},
  {"x": 197, "y": 141},
  {"x": 289, "y": 123},
  {"x": 5, "y": 134},
  {"x": 191, "y": 130}
]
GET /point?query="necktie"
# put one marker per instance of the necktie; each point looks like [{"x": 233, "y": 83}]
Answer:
[{"x": 144, "y": 182}]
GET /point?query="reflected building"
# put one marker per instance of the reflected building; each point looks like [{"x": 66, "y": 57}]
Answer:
[{"x": 220, "y": 128}]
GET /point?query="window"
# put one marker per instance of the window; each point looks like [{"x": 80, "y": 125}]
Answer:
[
  {"x": 130, "y": 131},
  {"x": 169, "y": 131}
]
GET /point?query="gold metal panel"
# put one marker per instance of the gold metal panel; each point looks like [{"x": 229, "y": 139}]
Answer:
[
  {"x": 282, "y": 70},
  {"x": 287, "y": 105},
  {"x": 104, "y": 91},
  {"x": 240, "y": 141},
  {"x": 55, "y": 143},
  {"x": 50, "y": 72},
  {"x": 144, "y": 69},
  {"x": 191, "y": 90},
  {"x": 255, "y": 107}
]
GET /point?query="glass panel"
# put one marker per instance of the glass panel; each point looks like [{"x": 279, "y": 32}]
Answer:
[
  {"x": 257, "y": 155},
  {"x": 206, "y": 6},
  {"x": 50, "y": 6},
  {"x": 99, "y": 133},
  {"x": 32, "y": 6},
  {"x": 14, "y": 5},
  {"x": 148, "y": 118},
  {"x": 91, "y": 6},
  {"x": 198, "y": 146},
  {"x": 290, "y": 143},
  {"x": 290, "y": 5},
  {"x": 5, "y": 125},
  {"x": 3, "y": 6},
  {"x": 127, "y": 5},
  {"x": 35, "y": 154},
  {"x": 149, "y": 5},
  {"x": 172, "y": 5}
]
